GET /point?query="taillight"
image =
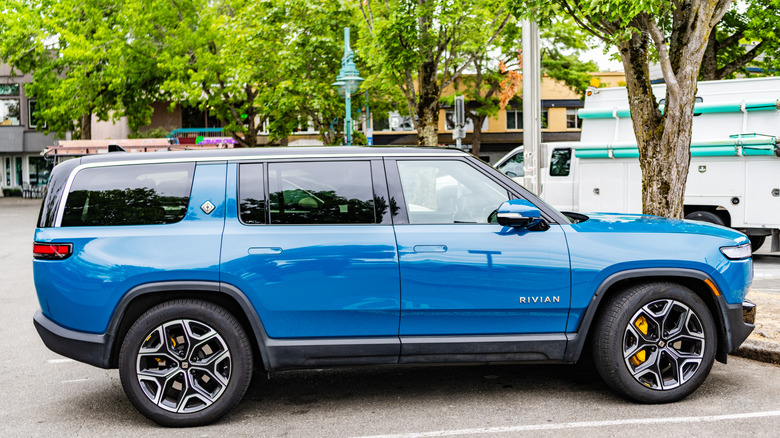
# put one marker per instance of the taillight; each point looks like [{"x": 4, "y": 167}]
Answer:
[{"x": 52, "y": 251}]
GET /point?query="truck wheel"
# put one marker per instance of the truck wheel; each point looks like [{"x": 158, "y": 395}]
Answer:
[
  {"x": 756, "y": 242},
  {"x": 654, "y": 343},
  {"x": 706, "y": 216},
  {"x": 185, "y": 363}
]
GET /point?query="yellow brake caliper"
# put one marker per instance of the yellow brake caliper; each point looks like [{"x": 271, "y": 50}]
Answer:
[{"x": 641, "y": 356}]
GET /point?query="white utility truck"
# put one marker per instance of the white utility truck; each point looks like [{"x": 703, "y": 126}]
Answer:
[{"x": 734, "y": 177}]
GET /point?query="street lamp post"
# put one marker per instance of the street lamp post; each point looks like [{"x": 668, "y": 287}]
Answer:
[{"x": 347, "y": 82}]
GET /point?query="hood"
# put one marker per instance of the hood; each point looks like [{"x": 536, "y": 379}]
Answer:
[{"x": 637, "y": 223}]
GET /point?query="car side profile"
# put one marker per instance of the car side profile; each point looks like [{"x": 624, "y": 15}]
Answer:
[{"x": 188, "y": 270}]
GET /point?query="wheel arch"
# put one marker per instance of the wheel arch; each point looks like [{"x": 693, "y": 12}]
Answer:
[
  {"x": 690, "y": 278},
  {"x": 141, "y": 298}
]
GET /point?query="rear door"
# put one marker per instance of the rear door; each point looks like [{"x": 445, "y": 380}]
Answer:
[{"x": 312, "y": 246}]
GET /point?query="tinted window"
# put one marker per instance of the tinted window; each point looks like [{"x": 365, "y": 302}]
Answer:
[
  {"x": 331, "y": 192},
  {"x": 560, "y": 162},
  {"x": 447, "y": 192},
  {"x": 129, "y": 195},
  {"x": 251, "y": 203}
]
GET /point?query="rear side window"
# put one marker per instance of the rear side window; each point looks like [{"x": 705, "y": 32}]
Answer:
[
  {"x": 144, "y": 194},
  {"x": 328, "y": 192}
]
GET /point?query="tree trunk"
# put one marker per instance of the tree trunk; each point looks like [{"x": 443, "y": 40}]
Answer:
[
  {"x": 428, "y": 106},
  {"x": 709, "y": 63},
  {"x": 664, "y": 140},
  {"x": 85, "y": 127}
]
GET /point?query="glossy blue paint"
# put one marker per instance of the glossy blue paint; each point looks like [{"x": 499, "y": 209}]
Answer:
[
  {"x": 476, "y": 285},
  {"x": 608, "y": 244},
  {"x": 520, "y": 207},
  {"x": 324, "y": 280},
  {"x": 81, "y": 292}
]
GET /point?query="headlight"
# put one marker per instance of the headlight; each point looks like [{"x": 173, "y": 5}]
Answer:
[{"x": 737, "y": 252}]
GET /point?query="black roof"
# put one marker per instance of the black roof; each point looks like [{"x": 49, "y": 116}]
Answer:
[{"x": 239, "y": 153}]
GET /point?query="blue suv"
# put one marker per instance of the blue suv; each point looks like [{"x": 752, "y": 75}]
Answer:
[{"x": 188, "y": 270}]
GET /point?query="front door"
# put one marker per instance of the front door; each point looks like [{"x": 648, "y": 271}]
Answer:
[{"x": 462, "y": 274}]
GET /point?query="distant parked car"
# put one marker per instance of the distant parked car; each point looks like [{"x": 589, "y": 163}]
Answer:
[{"x": 186, "y": 270}]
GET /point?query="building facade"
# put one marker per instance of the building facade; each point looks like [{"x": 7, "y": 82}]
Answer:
[{"x": 21, "y": 143}]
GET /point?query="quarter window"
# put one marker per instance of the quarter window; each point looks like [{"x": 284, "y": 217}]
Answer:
[
  {"x": 329, "y": 192},
  {"x": 251, "y": 205},
  {"x": 129, "y": 195},
  {"x": 448, "y": 192}
]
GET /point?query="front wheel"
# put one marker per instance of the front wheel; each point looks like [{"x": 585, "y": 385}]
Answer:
[
  {"x": 185, "y": 363},
  {"x": 655, "y": 343}
]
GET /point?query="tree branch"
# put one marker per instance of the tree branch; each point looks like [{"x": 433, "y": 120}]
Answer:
[
  {"x": 457, "y": 73},
  {"x": 581, "y": 23},
  {"x": 740, "y": 62},
  {"x": 663, "y": 54},
  {"x": 369, "y": 22}
]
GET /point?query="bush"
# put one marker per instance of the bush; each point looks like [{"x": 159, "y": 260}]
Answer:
[{"x": 12, "y": 192}]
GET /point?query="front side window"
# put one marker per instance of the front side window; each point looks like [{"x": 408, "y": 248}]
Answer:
[
  {"x": 448, "y": 192},
  {"x": 129, "y": 195},
  {"x": 513, "y": 167},
  {"x": 328, "y": 192}
]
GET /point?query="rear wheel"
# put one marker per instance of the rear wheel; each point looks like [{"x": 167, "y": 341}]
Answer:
[
  {"x": 655, "y": 343},
  {"x": 185, "y": 363}
]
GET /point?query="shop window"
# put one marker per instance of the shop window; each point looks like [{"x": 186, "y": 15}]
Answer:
[
  {"x": 572, "y": 121},
  {"x": 514, "y": 119}
]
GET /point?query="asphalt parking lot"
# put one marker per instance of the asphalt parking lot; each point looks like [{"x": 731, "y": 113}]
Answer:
[{"x": 44, "y": 394}]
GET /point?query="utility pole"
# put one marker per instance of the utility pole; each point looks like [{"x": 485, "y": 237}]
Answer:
[
  {"x": 460, "y": 121},
  {"x": 532, "y": 107}
]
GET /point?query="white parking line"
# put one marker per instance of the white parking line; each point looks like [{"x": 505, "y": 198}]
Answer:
[
  {"x": 535, "y": 427},
  {"x": 75, "y": 381},
  {"x": 60, "y": 360}
]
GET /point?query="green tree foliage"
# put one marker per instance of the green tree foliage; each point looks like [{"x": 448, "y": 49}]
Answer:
[
  {"x": 562, "y": 44},
  {"x": 673, "y": 33},
  {"x": 258, "y": 66},
  {"x": 78, "y": 54},
  {"x": 422, "y": 46},
  {"x": 749, "y": 34}
]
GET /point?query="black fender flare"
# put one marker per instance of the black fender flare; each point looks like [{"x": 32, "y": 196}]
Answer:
[
  {"x": 576, "y": 340},
  {"x": 196, "y": 287}
]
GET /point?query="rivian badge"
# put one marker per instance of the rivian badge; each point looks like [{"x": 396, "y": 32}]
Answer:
[{"x": 207, "y": 207}]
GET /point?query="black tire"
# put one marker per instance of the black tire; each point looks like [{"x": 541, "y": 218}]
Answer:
[
  {"x": 706, "y": 216},
  {"x": 638, "y": 356},
  {"x": 185, "y": 363},
  {"x": 756, "y": 242}
]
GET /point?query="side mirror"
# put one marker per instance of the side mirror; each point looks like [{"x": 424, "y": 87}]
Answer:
[{"x": 517, "y": 213}]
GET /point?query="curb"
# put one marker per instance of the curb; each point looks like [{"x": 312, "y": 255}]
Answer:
[{"x": 761, "y": 351}]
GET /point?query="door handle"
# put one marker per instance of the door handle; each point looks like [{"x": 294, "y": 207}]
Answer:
[
  {"x": 264, "y": 250},
  {"x": 430, "y": 248}
]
